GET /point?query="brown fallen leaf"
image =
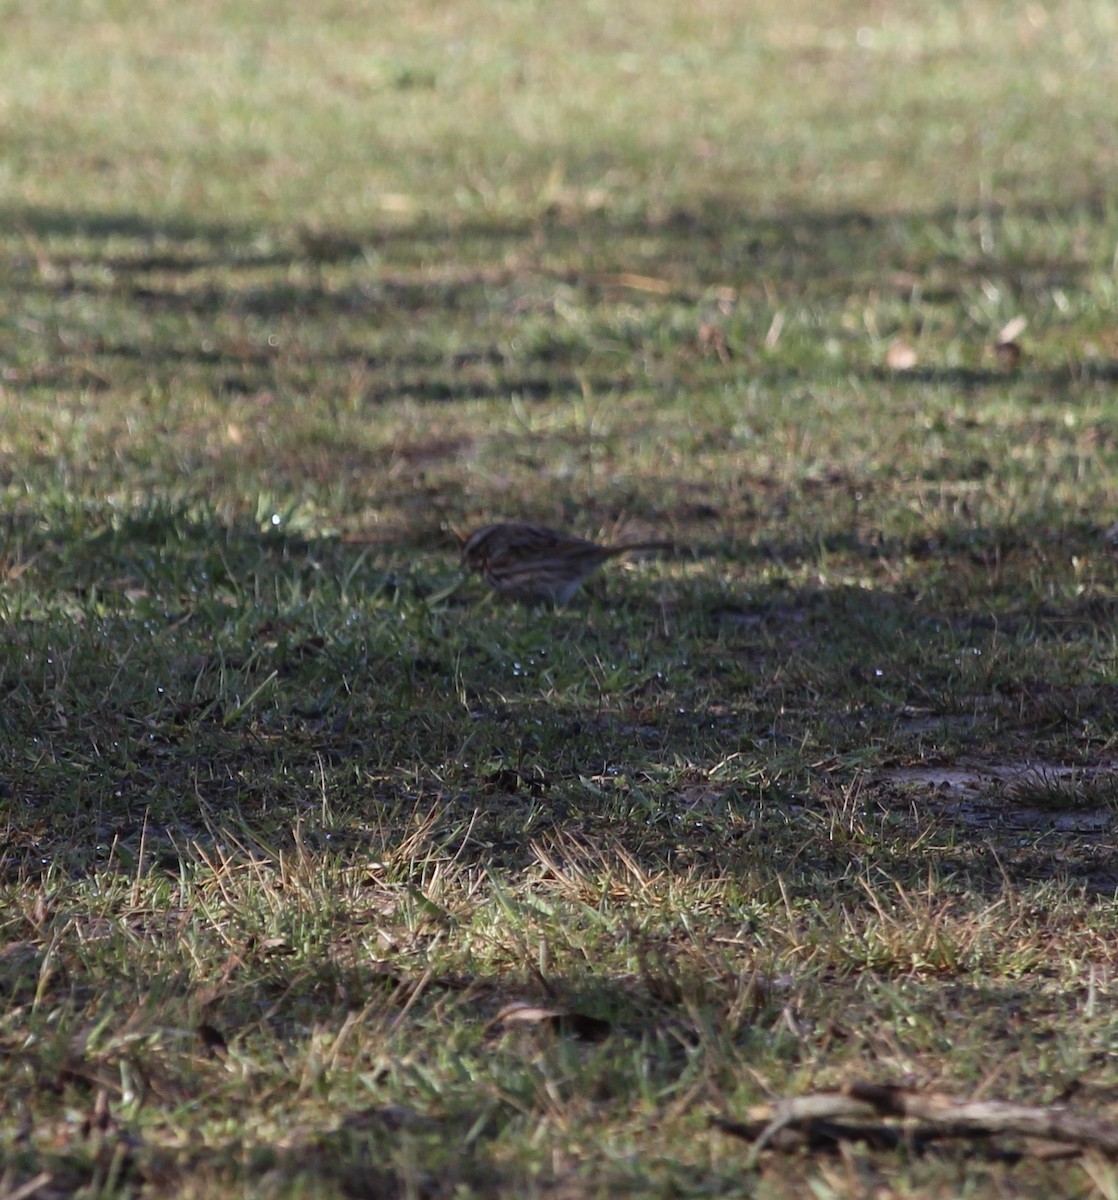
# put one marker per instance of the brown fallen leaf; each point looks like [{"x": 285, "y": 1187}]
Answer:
[
  {"x": 561, "y": 1020},
  {"x": 1007, "y": 346},
  {"x": 900, "y": 356},
  {"x": 1011, "y": 331}
]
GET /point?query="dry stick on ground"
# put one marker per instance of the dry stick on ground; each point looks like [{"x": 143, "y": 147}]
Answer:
[{"x": 943, "y": 1116}]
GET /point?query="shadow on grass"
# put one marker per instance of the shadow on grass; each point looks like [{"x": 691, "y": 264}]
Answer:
[
  {"x": 168, "y": 667},
  {"x": 505, "y": 268},
  {"x": 170, "y": 679},
  {"x": 849, "y": 234}
]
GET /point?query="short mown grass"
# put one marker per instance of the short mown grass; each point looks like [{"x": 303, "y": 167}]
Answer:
[{"x": 291, "y": 301}]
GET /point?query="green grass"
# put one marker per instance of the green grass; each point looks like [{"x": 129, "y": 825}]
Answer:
[{"x": 290, "y": 301}]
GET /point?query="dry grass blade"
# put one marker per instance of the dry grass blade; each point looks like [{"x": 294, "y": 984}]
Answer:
[{"x": 25, "y": 1191}]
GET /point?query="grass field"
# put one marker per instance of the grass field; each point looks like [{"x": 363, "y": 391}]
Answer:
[{"x": 290, "y": 300}]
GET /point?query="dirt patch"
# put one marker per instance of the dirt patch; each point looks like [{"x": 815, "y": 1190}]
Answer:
[
  {"x": 1023, "y": 795},
  {"x": 1017, "y": 776}
]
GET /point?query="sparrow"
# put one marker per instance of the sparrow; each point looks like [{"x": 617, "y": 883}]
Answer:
[{"x": 528, "y": 562}]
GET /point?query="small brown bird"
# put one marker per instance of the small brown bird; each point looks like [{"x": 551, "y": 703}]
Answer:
[{"x": 528, "y": 562}]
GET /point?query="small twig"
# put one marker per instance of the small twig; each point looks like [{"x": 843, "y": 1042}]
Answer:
[
  {"x": 1054, "y": 1123},
  {"x": 817, "y": 1117}
]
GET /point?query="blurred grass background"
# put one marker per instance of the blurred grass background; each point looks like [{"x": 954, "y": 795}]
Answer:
[{"x": 293, "y": 295}]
